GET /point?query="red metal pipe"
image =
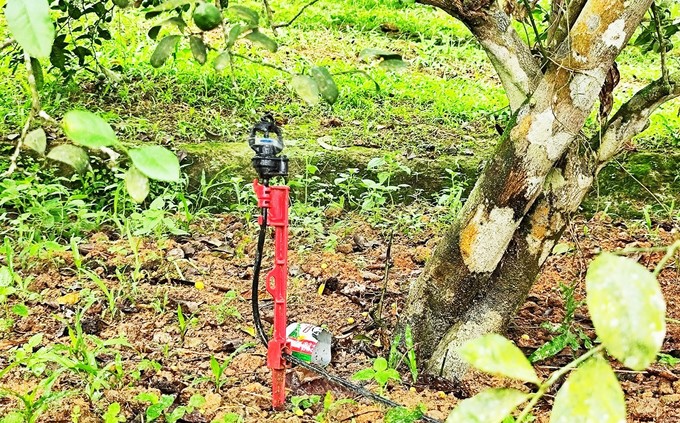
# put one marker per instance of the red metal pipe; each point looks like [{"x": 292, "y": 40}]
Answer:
[{"x": 276, "y": 200}]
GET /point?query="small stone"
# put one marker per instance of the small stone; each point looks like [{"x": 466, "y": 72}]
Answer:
[
  {"x": 371, "y": 276},
  {"x": 213, "y": 401},
  {"x": 175, "y": 254}
]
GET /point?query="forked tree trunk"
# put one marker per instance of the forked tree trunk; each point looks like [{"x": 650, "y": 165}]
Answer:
[{"x": 484, "y": 266}]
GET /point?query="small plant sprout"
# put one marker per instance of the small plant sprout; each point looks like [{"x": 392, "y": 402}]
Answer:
[
  {"x": 160, "y": 406},
  {"x": 113, "y": 414},
  {"x": 302, "y": 403},
  {"x": 218, "y": 369},
  {"x": 380, "y": 373},
  {"x": 183, "y": 323}
]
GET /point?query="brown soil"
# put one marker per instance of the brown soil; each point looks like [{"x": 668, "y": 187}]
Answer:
[{"x": 219, "y": 255}]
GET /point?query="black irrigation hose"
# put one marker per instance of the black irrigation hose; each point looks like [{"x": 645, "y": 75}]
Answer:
[
  {"x": 256, "y": 279},
  {"x": 360, "y": 390}
]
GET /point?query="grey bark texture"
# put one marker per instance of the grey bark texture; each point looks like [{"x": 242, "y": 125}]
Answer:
[{"x": 483, "y": 268}]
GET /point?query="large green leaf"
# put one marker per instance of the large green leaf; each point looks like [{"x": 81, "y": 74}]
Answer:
[
  {"x": 327, "y": 87},
  {"x": 36, "y": 140},
  {"x": 73, "y": 156},
  {"x": 627, "y": 309},
  {"x": 31, "y": 26},
  {"x": 307, "y": 88},
  {"x": 222, "y": 61},
  {"x": 490, "y": 406},
  {"x": 246, "y": 14},
  {"x": 198, "y": 49},
  {"x": 259, "y": 38},
  {"x": 164, "y": 49},
  {"x": 497, "y": 355},
  {"x": 137, "y": 184},
  {"x": 88, "y": 129},
  {"x": 590, "y": 395},
  {"x": 156, "y": 162},
  {"x": 234, "y": 33}
]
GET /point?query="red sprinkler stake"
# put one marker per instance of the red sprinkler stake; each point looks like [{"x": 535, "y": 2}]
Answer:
[{"x": 276, "y": 200}]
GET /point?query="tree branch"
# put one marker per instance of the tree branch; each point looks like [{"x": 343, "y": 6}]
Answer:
[
  {"x": 6, "y": 44},
  {"x": 633, "y": 117},
  {"x": 290, "y": 22},
  {"x": 662, "y": 42}
]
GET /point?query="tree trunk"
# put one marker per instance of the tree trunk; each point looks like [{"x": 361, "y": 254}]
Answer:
[{"x": 484, "y": 266}]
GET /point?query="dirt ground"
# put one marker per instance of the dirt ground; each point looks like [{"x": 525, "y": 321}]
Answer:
[{"x": 219, "y": 255}]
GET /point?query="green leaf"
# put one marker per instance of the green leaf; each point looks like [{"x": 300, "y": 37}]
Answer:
[
  {"x": 215, "y": 367},
  {"x": 259, "y": 38},
  {"x": 20, "y": 310},
  {"x": 198, "y": 49},
  {"x": 234, "y": 33},
  {"x": 31, "y": 26},
  {"x": 497, "y": 355},
  {"x": 222, "y": 61},
  {"x": 156, "y": 162},
  {"x": 196, "y": 401},
  {"x": 36, "y": 140},
  {"x": 73, "y": 156},
  {"x": 37, "y": 71},
  {"x": 490, "y": 406},
  {"x": 365, "y": 374},
  {"x": 164, "y": 49},
  {"x": 156, "y": 410},
  {"x": 111, "y": 415},
  {"x": 88, "y": 129},
  {"x": 147, "y": 397},
  {"x": 403, "y": 415},
  {"x": 380, "y": 364},
  {"x": 176, "y": 414},
  {"x": 327, "y": 88},
  {"x": 246, "y": 14},
  {"x": 307, "y": 88},
  {"x": 5, "y": 276},
  {"x": 591, "y": 394},
  {"x": 627, "y": 309},
  {"x": 137, "y": 184}
]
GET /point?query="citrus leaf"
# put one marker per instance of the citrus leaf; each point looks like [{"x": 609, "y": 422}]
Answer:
[
  {"x": 73, "y": 156},
  {"x": 87, "y": 129},
  {"x": 153, "y": 32},
  {"x": 156, "y": 162},
  {"x": 137, "y": 184},
  {"x": 36, "y": 140},
  {"x": 246, "y": 14},
  {"x": 234, "y": 33},
  {"x": 591, "y": 394},
  {"x": 327, "y": 87},
  {"x": 497, "y": 355},
  {"x": 31, "y": 26},
  {"x": 627, "y": 309},
  {"x": 198, "y": 49},
  {"x": 164, "y": 49},
  {"x": 259, "y": 38},
  {"x": 307, "y": 88},
  {"x": 222, "y": 61},
  {"x": 490, "y": 406}
]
